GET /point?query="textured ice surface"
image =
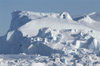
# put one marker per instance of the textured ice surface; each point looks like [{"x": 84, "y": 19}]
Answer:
[{"x": 50, "y": 39}]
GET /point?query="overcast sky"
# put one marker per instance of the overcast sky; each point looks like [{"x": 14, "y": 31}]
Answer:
[{"x": 74, "y": 7}]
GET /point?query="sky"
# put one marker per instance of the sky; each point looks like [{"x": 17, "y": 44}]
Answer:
[{"x": 74, "y": 7}]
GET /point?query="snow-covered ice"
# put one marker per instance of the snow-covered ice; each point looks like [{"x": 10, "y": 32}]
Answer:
[{"x": 51, "y": 39}]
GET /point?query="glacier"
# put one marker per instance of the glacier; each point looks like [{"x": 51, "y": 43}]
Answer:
[{"x": 51, "y": 39}]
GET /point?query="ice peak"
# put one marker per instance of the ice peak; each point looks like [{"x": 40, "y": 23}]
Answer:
[
  {"x": 87, "y": 19},
  {"x": 65, "y": 15},
  {"x": 95, "y": 16},
  {"x": 93, "y": 13}
]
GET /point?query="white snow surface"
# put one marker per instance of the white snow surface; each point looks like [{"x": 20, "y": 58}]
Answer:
[{"x": 50, "y": 39}]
